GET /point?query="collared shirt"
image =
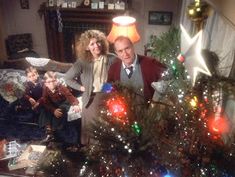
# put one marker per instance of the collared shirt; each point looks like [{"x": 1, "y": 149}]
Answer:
[
  {"x": 133, "y": 65},
  {"x": 99, "y": 73}
]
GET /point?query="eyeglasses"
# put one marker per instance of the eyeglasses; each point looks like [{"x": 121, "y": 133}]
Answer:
[{"x": 50, "y": 81}]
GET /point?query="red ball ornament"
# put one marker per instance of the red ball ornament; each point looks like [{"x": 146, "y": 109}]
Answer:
[{"x": 117, "y": 107}]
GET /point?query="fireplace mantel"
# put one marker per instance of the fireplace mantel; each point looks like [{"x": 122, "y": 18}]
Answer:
[{"x": 62, "y": 24}]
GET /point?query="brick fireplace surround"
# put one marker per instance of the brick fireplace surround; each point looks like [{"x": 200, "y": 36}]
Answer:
[{"x": 63, "y": 25}]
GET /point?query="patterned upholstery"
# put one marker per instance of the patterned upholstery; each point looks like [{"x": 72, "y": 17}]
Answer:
[
  {"x": 20, "y": 46},
  {"x": 12, "y": 84},
  {"x": 23, "y": 124}
]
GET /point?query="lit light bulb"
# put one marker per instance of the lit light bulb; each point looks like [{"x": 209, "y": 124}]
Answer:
[
  {"x": 197, "y": 4},
  {"x": 191, "y": 12},
  {"x": 124, "y": 20},
  {"x": 194, "y": 102},
  {"x": 198, "y": 9}
]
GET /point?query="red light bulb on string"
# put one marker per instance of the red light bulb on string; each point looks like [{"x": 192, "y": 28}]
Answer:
[
  {"x": 181, "y": 58},
  {"x": 219, "y": 124}
]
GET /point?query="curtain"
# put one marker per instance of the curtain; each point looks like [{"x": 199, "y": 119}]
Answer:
[{"x": 218, "y": 36}]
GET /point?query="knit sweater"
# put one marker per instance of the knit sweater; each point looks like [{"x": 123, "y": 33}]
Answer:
[
  {"x": 151, "y": 72},
  {"x": 81, "y": 74},
  {"x": 52, "y": 100}
]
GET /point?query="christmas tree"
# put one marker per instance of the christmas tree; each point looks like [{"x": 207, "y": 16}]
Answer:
[
  {"x": 186, "y": 132},
  {"x": 181, "y": 135}
]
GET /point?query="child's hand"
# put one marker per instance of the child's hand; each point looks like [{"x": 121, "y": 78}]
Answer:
[
  {"x": 35, "y": 105},
  {"x": 58, "y": 113},
  {"x": 32, "y": 101},
  {"x": 76, "y": 108}
]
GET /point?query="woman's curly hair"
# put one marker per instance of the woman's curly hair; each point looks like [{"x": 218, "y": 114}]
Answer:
[{"x": 84, "y": 40}]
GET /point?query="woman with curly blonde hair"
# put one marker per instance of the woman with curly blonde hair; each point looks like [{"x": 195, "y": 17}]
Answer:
[
  {"x": 84, "y": 40},
  {"x": 89, "y": 73}
]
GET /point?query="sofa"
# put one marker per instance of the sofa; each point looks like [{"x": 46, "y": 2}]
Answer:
[{"x": 22, "y": 124}]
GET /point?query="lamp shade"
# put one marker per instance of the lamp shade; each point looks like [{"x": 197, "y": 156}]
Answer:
[{"x": 124, "y": 26}]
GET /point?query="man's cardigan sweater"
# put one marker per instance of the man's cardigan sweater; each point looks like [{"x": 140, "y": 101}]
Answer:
[{"x": 151, "y": 72}]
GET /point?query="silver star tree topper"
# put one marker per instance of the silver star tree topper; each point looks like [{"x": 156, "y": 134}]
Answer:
[{"x": 191, "y": 50}]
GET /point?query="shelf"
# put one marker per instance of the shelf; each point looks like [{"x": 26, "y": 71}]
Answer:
[{"x": 85, "y": 9}]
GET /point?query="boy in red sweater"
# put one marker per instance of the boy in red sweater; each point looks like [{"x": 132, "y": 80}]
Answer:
[{"x": 57, "y": 100}]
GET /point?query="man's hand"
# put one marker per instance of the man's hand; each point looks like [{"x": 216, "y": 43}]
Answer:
[{"x": 58, "y": 113}]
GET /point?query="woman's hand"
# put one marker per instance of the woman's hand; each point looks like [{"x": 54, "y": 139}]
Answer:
[
  {"x": 58, "y": 113},
  {"x": 82, "y": 88}
]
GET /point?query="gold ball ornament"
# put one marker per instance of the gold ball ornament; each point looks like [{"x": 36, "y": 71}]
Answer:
[{"x": 198, "y": 12}]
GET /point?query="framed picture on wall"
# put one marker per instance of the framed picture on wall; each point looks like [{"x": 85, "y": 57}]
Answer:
[
  {"x": 160, "y": 18},
  {"x": 74, "y": 4},
  {"x": 51, "y": 3},
  {"x": 24, "y": 4}
]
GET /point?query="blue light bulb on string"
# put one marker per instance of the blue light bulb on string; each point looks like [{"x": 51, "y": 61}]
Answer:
[{"x": 107, "y": 88}]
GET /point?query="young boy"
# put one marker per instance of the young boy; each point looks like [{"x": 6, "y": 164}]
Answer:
[
  {"x": 33, "y": 90},
  {"x": 57, "y": 101},
  {"x": 32, "y": 97}
]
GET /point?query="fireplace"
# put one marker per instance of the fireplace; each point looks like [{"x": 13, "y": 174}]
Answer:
[
  {"x": 72, "y": 30},
  {"x": 63, "y": 25}
]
